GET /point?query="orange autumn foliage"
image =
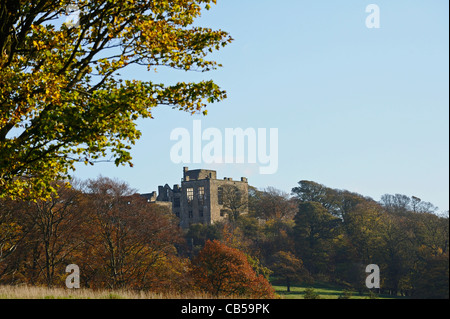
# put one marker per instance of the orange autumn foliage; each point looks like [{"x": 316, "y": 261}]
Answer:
[{"x": 224, "y": 271}]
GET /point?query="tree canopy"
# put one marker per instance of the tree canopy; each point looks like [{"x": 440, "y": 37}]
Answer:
[
  {"x": 222, "y": 270},
  {"x": 62, "y": 100}
]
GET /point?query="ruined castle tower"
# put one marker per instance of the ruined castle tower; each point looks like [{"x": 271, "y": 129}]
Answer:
[{"x": 199, "y": 199}]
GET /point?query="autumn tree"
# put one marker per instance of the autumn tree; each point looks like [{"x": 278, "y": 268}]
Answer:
[
  {"x": 62, "y": 100},
  {"x": 49, "y": 234},
  {"x": 272, "y": 203},
  {"x": 276, "y": 235},
  {"x": 57, "y": 223},
  {"x": 224, "y": 271},
  {"x": 364, "y": 228},
  {"x": 128, "y": 238},
  {"x": 360, "y": 244},
  {"x": 289, "y": 268}
]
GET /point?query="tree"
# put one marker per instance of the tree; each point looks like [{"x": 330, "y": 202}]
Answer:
[
  {"x": 401, "y": 204},
  {"x": 310, "y": 293},
  {"x": 432, "y": 279},
  {"x": 337, "y": 202},
  {"x": 62, "y": 100},
  {"x": 49, "y": 234},
  {"x": 234, "y": 202},
  {"x": 363, "y": 227},
  {"x": 57, "y": 223},
  {"x": 359, "y": 245},
  {"x": 128, "y": 236},
  {"x": 398, "y": 204},
  {"x": 272, "y": 203},
  {"x": 398, "y": 257},
  {"x": 197, "y": 235},
  {"x": 314, "y": 230},
  {"x": 288, "y": 267},
  {"x": 224, "y": 271},
  {"x": 309, "y": 191},
  {"x": 277, "y": 235}
]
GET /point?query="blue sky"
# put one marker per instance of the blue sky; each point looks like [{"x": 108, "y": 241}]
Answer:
[{"x": 361, "y": 109}]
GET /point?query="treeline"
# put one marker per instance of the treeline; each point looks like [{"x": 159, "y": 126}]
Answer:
[
  {"x": 320, "y": 234},
  {"x": 119, "y": 241},
  {"x": 315, "y": 234}
]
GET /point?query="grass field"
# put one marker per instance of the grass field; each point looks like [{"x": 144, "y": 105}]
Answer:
[
  {"x": 28, "y": 292},
  {"x": 324, "y": 291}
]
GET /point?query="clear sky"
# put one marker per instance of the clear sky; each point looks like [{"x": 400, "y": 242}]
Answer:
[{"x": 361, "y": 109}]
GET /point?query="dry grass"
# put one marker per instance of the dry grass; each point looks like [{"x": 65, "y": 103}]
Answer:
[{"x": 32, "y": 292}]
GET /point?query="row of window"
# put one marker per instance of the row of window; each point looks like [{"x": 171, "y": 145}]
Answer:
[{"x": 200, "y": 195}]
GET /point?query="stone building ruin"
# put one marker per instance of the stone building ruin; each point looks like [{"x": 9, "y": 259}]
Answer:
[{"x": 199, "y": 198}]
